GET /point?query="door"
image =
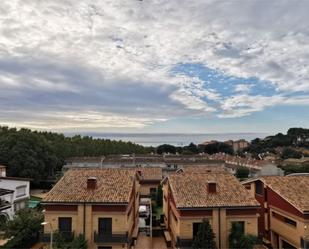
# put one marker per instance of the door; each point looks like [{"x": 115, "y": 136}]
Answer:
[{"x": 105, "y": 226}]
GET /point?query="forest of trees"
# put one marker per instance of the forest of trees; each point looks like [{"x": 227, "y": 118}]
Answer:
[
  {"x": 37, "y": 155},
  {"x": 295, "y": 137}
]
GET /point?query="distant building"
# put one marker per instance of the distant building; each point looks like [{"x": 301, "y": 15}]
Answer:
[
  {"x": 284, "y": 214},
  {"x": 218, "y": 196},
  {"x": 101, "y": 204},
  {"x": 238, "y": 145},
  {"x": 270, "y": 170},
  {"x": 21, "y": 192}
]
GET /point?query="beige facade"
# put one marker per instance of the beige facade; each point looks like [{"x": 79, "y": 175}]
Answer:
[
  {"x": 181, "y": 224},
  {"x": 91, "y": 219}
]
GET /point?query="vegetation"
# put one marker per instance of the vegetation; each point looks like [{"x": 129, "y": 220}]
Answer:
[
  {"x": 159, "y": 197},
  {"x": 205, "y": 237},
  {"x": 38, "y": 155},
  {"x": 242, "y": 172},
  {"x": 290, "y": 169},
  {"x": 290, "y": 153},
  {"x": 238, "y": 240},
  {"x": 23, "y": 229},
  {"x": 60, "y": 242},
  {"x": 216, "y": 148},
  {"x": 295, "y": 137}
]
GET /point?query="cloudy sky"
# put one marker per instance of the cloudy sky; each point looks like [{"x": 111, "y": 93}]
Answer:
[{"x": 154, "y": 65}]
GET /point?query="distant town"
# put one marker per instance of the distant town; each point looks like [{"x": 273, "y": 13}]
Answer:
[{"x": 78, "y": 192}]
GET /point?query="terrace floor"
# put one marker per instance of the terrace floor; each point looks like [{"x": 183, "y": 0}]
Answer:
[{"x": 145, "y": 242}]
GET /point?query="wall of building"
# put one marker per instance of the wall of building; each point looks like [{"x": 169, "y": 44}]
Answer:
[{"x": 145, "y": 188}]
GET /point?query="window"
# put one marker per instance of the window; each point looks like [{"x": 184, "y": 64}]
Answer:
[
  {"x": 259, "y": 187},
  {"x": 153, "y": 190},
  {"x": 286, "y": 245},
  {"x": 65, "y": 224},
  {"x": 21, "y": 191},
  {"x": 304, "y": 244},
  {"x": 105, "y": 226},
  {"x": 239, "y": 226},
  {"x": 289, "y": 221},
  {"x": 284, "y": 219}
]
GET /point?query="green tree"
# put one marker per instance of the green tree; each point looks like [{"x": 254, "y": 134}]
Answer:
[
  {"x": 290, "y": 153},
  {"x": 239, "y": 240},
  {"x": 79, "y": 242},
  {"x": 242, "y": 172},
  {"x": 159, "y": 198},
  {"x": 166, "y": 148},
  {"x": 205, "y": 237},
  {"x": 23, "y": 229}
]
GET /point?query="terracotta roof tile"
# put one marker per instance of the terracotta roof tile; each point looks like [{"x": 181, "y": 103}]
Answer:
[
  {"x": 114, "y": 185},
  {"x": 190, "y": 190},
  {"x": 150, "y": 173},
  {"x": 295, "y": 189},
  {"x": 203, "y": 169}
]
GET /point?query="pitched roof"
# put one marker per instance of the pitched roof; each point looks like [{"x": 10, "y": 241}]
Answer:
[
  {"x": 150, "y": 173},
  {"x": 203, "y": 169},
  {"x": 190, "y": 190},
  {"x": 114, "y": 185},
  {"x": 294, "y": 189}
]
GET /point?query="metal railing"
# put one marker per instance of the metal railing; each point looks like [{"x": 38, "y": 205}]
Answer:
[
  {"x": 110, "y": 238},
  {"x": 67, "y": 236},
  {"x": 184, "y": 242}
]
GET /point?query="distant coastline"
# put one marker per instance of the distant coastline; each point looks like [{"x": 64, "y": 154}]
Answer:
[{"x": 176, "y": 139}]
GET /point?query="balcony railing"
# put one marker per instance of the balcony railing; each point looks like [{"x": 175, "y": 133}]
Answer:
[
  {"x": 110, "y": 238},
  {"x": 67, "y": 236},
  {"x": 184, "y": 242}
]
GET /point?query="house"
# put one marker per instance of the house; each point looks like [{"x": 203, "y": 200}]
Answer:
[
  {"x": 6, "y": 203},
  {"x": 20, "y": 195},
  {"x": 284, "y": 213},
  {"x": 190, "y": 197},
  {"x": 238, "y": 145},
  {"x": 149, "y": 179},
  {"x": 101, "y": 204}
]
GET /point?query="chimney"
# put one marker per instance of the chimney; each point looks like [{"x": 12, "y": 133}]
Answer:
[
  {"x": 91, "y": 183},
  {"x": 212, "y": 187}
]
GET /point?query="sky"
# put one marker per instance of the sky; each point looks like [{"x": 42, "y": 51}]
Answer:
[{"x": 198, "y": 66}]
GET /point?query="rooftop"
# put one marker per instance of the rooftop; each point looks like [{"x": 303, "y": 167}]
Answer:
[
  {"x": 294, "y": 189},
  {"x": 203, "y": 168},
  {"x": 190, "y": 190},
  {"x": 150, "y": 173},
  {"x": 114, "y": 185}
]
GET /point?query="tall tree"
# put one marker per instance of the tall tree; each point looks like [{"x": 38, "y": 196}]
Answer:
[
  {"x": 205, "y": 237},
  {"x": 23, "y": 229}
]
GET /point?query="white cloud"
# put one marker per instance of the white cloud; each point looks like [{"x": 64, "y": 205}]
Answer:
[{"x": 88, "y": 48}]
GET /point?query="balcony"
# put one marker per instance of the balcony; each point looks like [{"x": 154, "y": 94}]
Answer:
[
  {"x": 184, "y": 242},
  {"x": 67, "y": 236},
  {"x": 110, "y": 238}
]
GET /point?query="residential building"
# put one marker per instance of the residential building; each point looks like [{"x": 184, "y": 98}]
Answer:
[
  {"x": 190, "y": 197},
  {"x": 149, "y": 179},
  {"x": 20, "y": 188},
  {"x": 101, "y": 204},
  {"x": 238, "y": 145},
  {"x": 6, "y": 203},
  {"x": 284, "y": 213}
]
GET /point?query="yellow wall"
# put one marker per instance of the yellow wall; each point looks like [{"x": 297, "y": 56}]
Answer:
[
  {"x": 286, "y": 231},
  {"x": 145, "y": 188}
]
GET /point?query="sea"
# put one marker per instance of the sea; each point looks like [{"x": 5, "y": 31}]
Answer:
[{"x": 176, "y": 139}]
